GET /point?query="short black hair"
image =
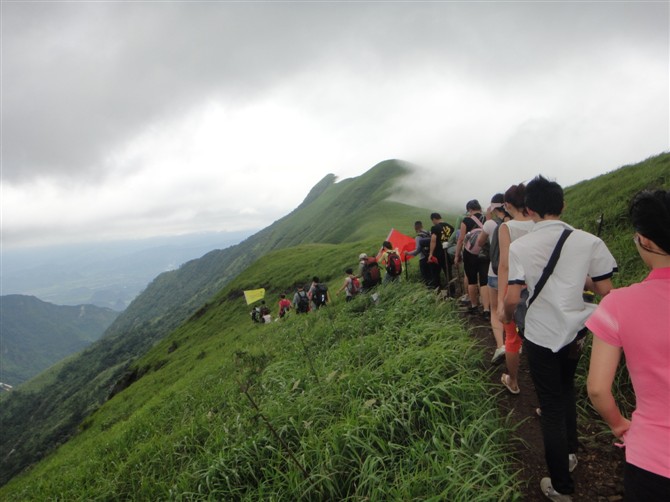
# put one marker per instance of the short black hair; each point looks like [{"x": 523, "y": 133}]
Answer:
[
  {"x": 349, "y": 271},
  {"x": 435, "y": 216},
  {"x": 544, "y": 197},
  {"x": 650, "y": 215},
  {"x": 387, "y": 245},
  {"x": 473, "y": 205},
  {"x": 498, "y": 199},
  {"x": 315, "y": 279}
]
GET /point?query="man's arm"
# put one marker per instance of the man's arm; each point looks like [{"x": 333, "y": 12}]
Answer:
[
  {"x": 512, "y": 298},
  {"x": 602, "y": 287}
]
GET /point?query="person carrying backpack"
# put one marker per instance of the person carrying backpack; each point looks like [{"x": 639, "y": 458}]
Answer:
[
  {"x": 489, "y": 235},
  {"x": 390, "y": 258},
  {"x": 318, "y": 294},
  {"x": 476, "y": 266},
  {"x": 369, "y": 271},
  {"x": 284, "y": 306},
  {"x": 422, "y": 250},
  {"x": 301, "y": 301},
  {"x": 351, "y": 286}
]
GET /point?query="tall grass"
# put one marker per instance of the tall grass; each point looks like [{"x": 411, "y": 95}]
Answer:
[{"x": 359, "y": 401}]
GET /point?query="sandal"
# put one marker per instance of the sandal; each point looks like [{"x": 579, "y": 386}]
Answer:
[{"x": 504, "y": 379}]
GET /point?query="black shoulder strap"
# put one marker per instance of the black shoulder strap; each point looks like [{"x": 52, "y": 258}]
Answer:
[{"x": 551, "y": 265}]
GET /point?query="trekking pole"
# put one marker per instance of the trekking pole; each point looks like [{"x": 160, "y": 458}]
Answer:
[{"x": 406, "y": 266}]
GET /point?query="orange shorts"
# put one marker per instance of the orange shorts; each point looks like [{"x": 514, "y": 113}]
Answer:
[{"x": 512, "y": 339}]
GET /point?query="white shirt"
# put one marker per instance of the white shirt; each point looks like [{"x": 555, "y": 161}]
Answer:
[
  {"x": 559, "y": 311},
  {"x": 489, "y": 228}
]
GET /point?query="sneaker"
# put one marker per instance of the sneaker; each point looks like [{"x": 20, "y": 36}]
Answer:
[
  {"x": 472, "y": 310},
  {"x": 572, "y": 462},
  {"x": 498, "y": 354},
  {"x": 486, "y": 315},
  {"x": 549, "y": 492},
  {"x": 464, "y": 299}
]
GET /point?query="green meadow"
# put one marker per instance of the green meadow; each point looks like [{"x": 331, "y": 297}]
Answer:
[{"x": 365, "y": 400}]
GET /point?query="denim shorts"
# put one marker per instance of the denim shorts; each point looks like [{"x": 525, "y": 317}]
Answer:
[{"x": 493, "y": 282}]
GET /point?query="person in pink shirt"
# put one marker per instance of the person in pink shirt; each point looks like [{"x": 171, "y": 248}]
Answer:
[{"x": 636, "y": 320}]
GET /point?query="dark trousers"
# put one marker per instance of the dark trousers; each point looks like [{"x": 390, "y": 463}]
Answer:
[
  {"x": 424, "y": 268},
  {"x": 437, "y": 269},
  {"x": 553, "y": 375},
  {"x": 644, "y": 486}
]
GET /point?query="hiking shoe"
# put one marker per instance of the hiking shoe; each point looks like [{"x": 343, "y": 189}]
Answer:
[
  {"x": 572, "y": 462},
  {"x": 486, "y": 315},
  {"x": 549, "y": 492},
  {"x": 465, "y": 299},
  {"x": 498, "y": 354},
  {"x": 472, "y": 310}
]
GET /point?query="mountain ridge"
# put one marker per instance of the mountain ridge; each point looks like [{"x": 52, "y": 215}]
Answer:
[{"x": 85, "y": 382}]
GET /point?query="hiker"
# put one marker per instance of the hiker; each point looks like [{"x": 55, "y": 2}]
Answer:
[
  {"x": 438, "y": 260},
  {"x": 318, "y": 294},
  {"x": 351, "y": 286},
  {"x": 301, "y": 301},
  {"x": 509, "y": 231},
  {"x": 390, "y": 258},
  {"x": 555, "y": 317},
  {"x": 489, "y": 236},
  {"x": 422, "y": 250},
  {"x": 256, "y": 314},
  {"x": 369, "y": 271},
  {"x": 635, "y": 319},
  {"x": 475, "y": 264},
  {"x": 265, "y": 312},
  {"x": 284, "y": 306}
]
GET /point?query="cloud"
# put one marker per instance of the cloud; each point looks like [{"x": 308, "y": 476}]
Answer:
[{"x": 129, "y": 119}]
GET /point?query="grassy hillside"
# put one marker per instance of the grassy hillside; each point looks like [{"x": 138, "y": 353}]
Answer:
[
  {"x": 360, "y": 400},
  {"x": 609, "y": 196},
  {"x": 380, "y": 401},
  {"x": 36, "y": 419},
  {"x": 37, "y": 334}
]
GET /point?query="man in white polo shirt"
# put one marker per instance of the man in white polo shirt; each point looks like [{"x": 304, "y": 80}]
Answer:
[{"x": 554, "y": 319}]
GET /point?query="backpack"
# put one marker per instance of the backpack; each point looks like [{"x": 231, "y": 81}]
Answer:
[
  {"x": 371, "y": 275},
  {"x": 303, "y": 303},
  {"x": 256, "y": 315},
  {"x": 494, "y": 251},
  {"x": 319, "y": 297},
  {"x": 354, "y": 286},
  {"x": 393, "y": 264},
  {"x": 471, "y": 240},
  {"x": 424, "y": 242}
]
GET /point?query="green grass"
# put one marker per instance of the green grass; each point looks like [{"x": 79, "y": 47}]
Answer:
[{"x": 358, "y": 401}]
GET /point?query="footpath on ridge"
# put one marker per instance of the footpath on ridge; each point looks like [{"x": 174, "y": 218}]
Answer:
[{"x": 599, "y": 474}]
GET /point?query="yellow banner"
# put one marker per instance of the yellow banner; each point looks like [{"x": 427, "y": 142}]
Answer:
[{"x": 254, "y": 295}]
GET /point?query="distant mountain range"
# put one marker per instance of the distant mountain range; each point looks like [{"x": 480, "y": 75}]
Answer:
[
  {"x": 37, "y": 334},
  {"x": 192, "y": 304},
  {"x": 106, "y": 274}
]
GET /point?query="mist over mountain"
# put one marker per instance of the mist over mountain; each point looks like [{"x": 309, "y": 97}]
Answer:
[
  {"x": 37, "y": 334},
  {"x": 106, "y": 274},
  {"x": 159, "y": 402},
  {"x": 56, "y": 401}
]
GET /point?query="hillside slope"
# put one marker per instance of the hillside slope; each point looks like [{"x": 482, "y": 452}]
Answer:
[
  {"x": 185, "y": 419},
  {"x": 351, "y": 210},
  {"x": 37, "y": 334}
]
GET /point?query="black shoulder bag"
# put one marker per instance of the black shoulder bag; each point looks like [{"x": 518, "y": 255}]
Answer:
[{"x": 522, "y": 307}]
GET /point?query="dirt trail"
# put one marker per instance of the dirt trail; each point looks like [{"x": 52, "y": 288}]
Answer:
[{"x": 599, "y": 474}]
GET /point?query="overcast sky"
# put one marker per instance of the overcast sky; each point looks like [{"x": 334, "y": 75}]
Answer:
[{"x": 134, "y": 119}]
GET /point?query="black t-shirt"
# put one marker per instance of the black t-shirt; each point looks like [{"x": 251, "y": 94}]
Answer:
[{"x": 443, "y": 231}]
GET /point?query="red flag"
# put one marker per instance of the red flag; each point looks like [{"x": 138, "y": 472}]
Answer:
[{"x": 403, "y": 243}]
